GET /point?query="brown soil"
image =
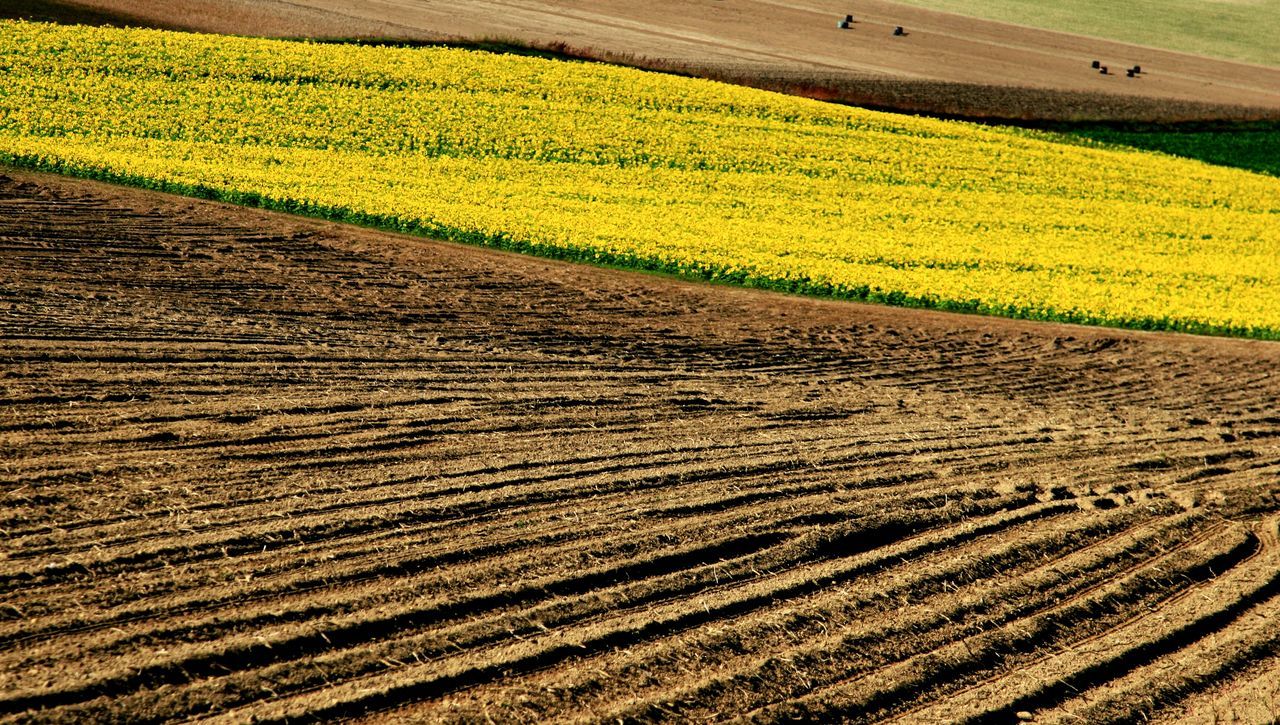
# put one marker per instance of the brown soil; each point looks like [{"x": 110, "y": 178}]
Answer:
[
  {"x": 946, "y": 64},
  {"x": 279, "y": 468},
  {"x": 50, "y": 11}
]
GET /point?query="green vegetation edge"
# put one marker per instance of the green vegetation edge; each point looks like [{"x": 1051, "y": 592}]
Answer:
[
  {"x": 1252, "y": 147},
  {"x": 697, "y": 273},
  {"x": 1247, "y": 145}
]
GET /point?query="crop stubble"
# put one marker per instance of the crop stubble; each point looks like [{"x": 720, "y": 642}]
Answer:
[{"x": 277, "y": 468}]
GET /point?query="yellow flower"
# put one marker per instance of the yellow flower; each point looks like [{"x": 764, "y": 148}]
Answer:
[{"x": 591, "y": 162}]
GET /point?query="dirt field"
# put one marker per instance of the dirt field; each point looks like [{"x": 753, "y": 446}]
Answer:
[
  {"x": 280, "y": 469},
  {"x": 1243, "y": 30},
  {"x": 946, "y": 64}
]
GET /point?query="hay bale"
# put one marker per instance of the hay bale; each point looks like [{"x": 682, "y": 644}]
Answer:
[
  {"x": 1103, "y": 70},
  {"x": 899, "y": 31},
  {"x": 1096, "y": 64},
  {"x": 1137, "y": 69},
  {"x": 1129, "y": 73},
  {"x": 843, "y": 25}
]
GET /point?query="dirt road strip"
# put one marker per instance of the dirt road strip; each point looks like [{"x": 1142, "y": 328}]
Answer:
[{"x": 260, "y": 466}]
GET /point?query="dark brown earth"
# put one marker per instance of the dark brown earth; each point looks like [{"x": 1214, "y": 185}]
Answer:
[
  {"x": 946, "y": 64},
  {"x": 51, "y": 11},
  {"x": 263, "y": 467}
]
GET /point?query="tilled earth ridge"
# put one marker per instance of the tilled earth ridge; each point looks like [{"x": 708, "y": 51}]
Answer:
[{"x": 259, "y": 467}]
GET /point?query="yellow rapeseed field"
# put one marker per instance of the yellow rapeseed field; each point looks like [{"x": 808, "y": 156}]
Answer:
[{"x": 596, "y": 163}]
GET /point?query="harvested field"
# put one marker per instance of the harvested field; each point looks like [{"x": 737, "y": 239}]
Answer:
[
  {"x": 1239, "y": 29},
  {"x": 946, "y": 64},
  {"x": 281, "y": 469}
]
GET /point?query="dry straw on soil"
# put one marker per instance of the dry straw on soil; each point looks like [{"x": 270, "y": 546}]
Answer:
[{"x": 263, "y": 467}]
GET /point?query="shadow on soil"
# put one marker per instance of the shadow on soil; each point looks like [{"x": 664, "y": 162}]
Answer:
[{"x": 50, "y": 11}]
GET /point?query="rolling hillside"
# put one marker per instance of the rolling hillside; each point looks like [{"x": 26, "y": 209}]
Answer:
[
  {"x": 257, "y": 467},
  {"x": 947, "y": 63},
  {"x": 1243, "y": 30},
  {"x": 336, "y": 452},
  {"x": 611, "y": 165}
]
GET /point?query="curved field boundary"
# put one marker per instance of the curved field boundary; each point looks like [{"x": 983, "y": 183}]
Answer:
[
  {"x": 694, "y": 271},
  {"x": 258, "y": 466},
  {"x": 983, "y": 67},
  {"x": 612, "y": 166}
]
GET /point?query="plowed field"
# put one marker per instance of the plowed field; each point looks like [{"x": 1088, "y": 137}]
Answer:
[{"x": 262, "y": 467}]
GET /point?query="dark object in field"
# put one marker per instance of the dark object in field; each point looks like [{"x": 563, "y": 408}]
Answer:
[
  {"x": 843, "y": 25},
  {"x": 1129, "y": 73},
  {"x": 1097, "y": 64},
  {"x": 848, "y": 19},
  {"x": 1137, "y": 69},
  {"x": 899, "y": 31},
  {"x": 1103, "y": 70}
]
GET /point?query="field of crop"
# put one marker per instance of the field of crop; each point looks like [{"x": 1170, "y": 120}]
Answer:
[
  {"x": 947, "y": 64},
  {"x": 1014, "y": 100},
  {"x": 260, "y": 467},
  {"x": 263, "y": 467},
  {"x": 1242, "y": 30},
  {"x": 703, "y": 180}
]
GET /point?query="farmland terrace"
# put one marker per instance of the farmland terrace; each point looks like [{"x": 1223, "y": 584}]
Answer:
[{"x": 278, "y": 468}]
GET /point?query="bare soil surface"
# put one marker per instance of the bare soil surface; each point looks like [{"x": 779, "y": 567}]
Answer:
[
  {"x": 944, "y": 63},
  {"x": 265, "y": 467}
]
